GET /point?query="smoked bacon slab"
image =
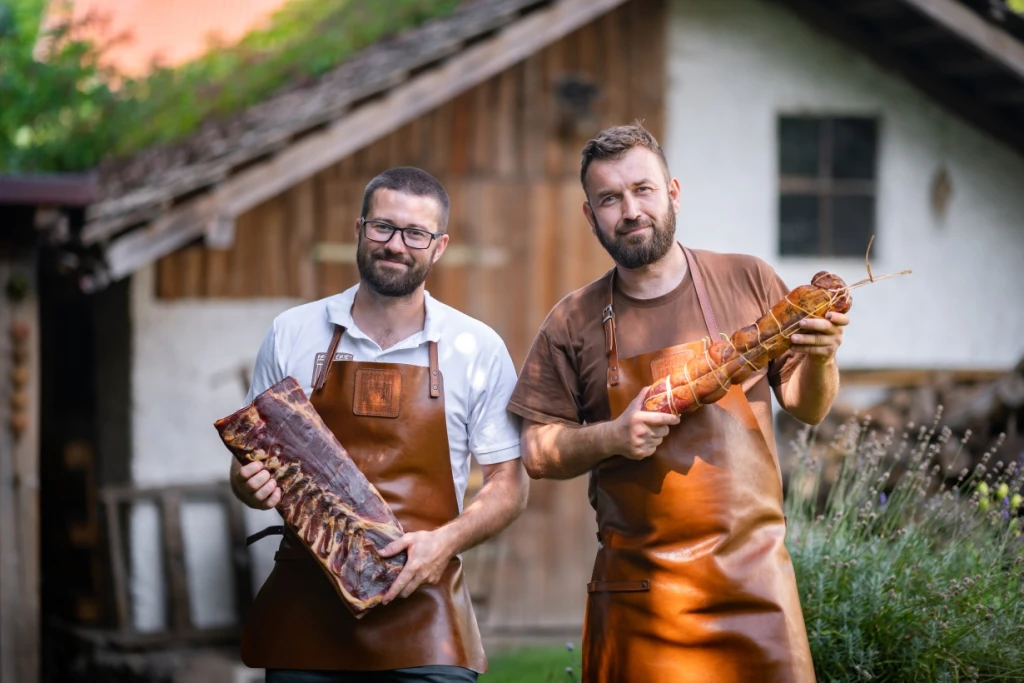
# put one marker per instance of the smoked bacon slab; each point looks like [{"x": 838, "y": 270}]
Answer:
[{"x": 325, "y": 500}]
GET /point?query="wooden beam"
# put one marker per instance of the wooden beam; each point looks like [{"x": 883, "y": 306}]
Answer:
[
  {"x": 455, "y": 255},
  {"x": 121, "y": 493},
  {"x": 915, "y": 377},
  {"x": 176, "y": 229},
  {"x": 959, "y": 102},
  {"x": 174, "y": 561},
  {"x": 988, "y": 38},
  {"x": 57, "y": 189},
  {"x": 360, "y": 127},
  {"x": 118, "y": 567}
]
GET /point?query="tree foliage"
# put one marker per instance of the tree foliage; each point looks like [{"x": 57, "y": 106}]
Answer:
[
  {"x": 63, "y": 111},
  {"x": 53, "y": 107}
]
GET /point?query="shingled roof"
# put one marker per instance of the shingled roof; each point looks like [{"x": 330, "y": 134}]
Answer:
[
  {"x": 140, "y": 188},
  {"x": 163, "y": 198},
  {"x": 957, "y": 51}
]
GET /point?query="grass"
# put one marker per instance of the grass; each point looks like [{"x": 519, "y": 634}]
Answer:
[{"x": 532, "y": 665}]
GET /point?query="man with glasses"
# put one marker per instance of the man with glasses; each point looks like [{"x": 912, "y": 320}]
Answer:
[{"x": 410, "y": 387}]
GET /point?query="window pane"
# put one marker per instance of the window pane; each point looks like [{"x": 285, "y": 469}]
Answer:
[
  {"x": 798, "y": 225},
  {"x": 799, "y": 139},
  {"x": 853, "y": 148},
  {"x": 853, "y": 222}
]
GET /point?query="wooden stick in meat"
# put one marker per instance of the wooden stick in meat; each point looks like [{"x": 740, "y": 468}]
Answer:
[
  {"x": 325, "y": 500},
  {"x": 706, "y": 377}
]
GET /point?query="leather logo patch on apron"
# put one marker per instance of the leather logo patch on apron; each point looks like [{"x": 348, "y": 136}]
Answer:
[
  {"x": 378, "y": 393},
  {"x": 665, "y": 365}
]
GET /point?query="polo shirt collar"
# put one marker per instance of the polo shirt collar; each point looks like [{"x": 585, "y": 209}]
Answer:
[{"x": 339, "y": 312}]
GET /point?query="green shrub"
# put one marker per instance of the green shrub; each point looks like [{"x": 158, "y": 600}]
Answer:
[{"x": 907, "y": 571}]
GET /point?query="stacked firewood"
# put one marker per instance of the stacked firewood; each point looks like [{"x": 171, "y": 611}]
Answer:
[{"x": 988, "y": 412}]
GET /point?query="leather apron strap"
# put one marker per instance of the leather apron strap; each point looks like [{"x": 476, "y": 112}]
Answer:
[
  {"x": 324, "y": 363},
  {"x": 608, "y": 315}
]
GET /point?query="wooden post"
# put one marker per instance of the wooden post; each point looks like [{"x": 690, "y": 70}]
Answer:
[
  {"x": 19, "y": 468},
  {"x": 174, "y": 560}
]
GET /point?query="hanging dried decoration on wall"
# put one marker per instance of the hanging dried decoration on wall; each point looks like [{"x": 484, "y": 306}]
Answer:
[{"x": 17, "y": 289}]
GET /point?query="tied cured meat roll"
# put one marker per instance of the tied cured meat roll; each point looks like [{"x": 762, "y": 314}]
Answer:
[
  {"x": 325, "y": 500},
  {"x": 707, "y": 376}
]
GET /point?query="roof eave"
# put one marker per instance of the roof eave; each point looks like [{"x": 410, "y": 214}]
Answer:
[{"x": 55, "y": 189}]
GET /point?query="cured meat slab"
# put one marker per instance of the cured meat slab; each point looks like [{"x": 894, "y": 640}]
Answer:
[{"x": 325, "y": 499}]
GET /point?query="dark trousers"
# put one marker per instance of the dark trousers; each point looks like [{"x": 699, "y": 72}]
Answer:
[{"x": 420, "y": 674}]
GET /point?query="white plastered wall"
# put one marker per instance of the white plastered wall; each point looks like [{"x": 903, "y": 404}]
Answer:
[{"x": 734, "y": 66}]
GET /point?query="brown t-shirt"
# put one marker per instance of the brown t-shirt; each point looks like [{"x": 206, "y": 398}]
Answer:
[{"x": 563, "y": 378}]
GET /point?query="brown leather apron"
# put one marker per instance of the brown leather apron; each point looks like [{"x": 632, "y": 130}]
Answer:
[
  {"x": 692, "y": 581},
  {"x": 399, "y": 439}
]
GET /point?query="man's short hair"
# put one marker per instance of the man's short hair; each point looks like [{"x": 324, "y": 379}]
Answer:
[
  {"x": 410, "y": 180},
  {"x": 614, "y": 143}
]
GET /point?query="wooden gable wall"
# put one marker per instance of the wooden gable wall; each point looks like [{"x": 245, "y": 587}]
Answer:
[{"x": 507, "y": 153}]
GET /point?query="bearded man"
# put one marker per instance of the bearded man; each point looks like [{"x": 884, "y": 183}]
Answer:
[
  {"x": 692, "y": 581},
  {"x": 410, "y": 387}
]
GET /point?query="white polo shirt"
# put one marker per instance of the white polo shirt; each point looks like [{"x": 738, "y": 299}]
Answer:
[{"x": 476, "y": 366}]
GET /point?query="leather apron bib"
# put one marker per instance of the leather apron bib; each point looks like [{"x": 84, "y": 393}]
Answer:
[
  {"x": 692, "y": 581},
  {"x": 390, "y": 418}
]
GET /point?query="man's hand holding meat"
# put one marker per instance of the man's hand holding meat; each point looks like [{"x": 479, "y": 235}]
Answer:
[
  {"x": 430, "y": 551},
  {"x": 254, "y": 486},
  {"x": 640, "y": 431}
]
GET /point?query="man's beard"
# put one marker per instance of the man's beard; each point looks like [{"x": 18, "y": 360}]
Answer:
[
  {"x": 388, "y": 281},
  {"x": 638, "y": 250}
]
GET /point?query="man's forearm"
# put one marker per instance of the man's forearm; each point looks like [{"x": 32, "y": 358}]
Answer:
[
  {"x": 500, "y": 500},
  {"x": 809, "y": 393},
  {"x": 557, "y": 451}
]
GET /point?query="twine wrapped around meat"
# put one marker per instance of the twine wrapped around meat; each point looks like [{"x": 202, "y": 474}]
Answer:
[
  {"x": 325, "y": 500},
  {"x": 707, "y": 376}
]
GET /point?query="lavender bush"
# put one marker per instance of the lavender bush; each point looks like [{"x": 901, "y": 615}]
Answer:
[{"x": 907, "y": 571}]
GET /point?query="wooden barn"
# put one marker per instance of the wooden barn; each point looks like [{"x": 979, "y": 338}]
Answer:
[{"x": 189, "y": 251}]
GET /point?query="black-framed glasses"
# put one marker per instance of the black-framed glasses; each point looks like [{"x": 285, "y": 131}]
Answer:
[{"x": 414, "y": 238}]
